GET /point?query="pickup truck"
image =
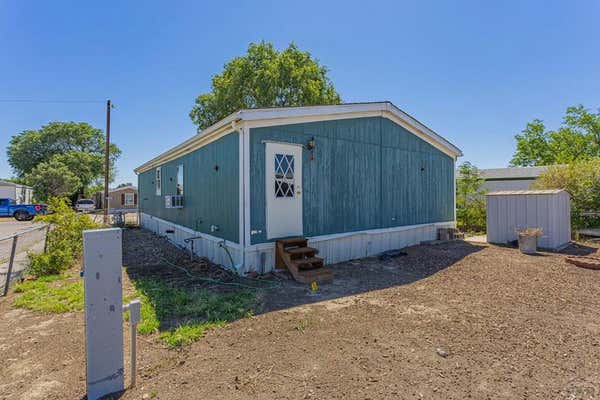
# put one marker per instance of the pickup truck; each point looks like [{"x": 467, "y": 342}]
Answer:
[{"x": 21, "y": 212}]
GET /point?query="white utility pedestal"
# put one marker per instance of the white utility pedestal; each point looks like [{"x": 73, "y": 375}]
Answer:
[{"x": 102, "y": 260}]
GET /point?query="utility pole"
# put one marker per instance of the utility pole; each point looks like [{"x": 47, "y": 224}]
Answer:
[{"x": 107, "y": 162}]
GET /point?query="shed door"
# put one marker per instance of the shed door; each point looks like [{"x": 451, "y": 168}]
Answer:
[{"x": 283, "y": 190}]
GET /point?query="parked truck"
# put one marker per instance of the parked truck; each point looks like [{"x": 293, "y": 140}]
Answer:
[{"x": 21, "y": 212}]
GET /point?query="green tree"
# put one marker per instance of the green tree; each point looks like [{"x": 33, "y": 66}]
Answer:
[
  {"x": 265, "y": 77},
  {"x": 76, "y": 147},
  {"x": 581, "y": 179},
  {"x": 470, "y": 199},
  {"x": 577, "y": 138},
  {"x": 53, "y": 179}
]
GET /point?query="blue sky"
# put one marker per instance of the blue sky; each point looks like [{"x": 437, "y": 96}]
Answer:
[{"x": 474, "y": 71}]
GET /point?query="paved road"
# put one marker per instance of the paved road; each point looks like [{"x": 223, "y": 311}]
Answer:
[
  {"x": 28, "y": 241},
  {"x": 10, "y": 226}
]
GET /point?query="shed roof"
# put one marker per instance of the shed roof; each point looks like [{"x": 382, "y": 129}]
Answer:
[
  {"x": 7, "y": 183},
  {"x": 525, "y": 192},
  {"x": 512, "y": 172},
  {"x": 118, "y": 189},
  {"x": 289, "y": 115}
]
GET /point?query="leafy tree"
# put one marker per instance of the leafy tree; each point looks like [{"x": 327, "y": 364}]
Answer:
[
  {"x": 577, "y": 138},
  {"x": 265, "y": 77},
  {"x": 94, "y": 188},
  {"x": 582, "y": 180},
  {"x": 470, "y": 199},
  {"x": 76, "y": 147},
  {"x": 53, "y": 179}
]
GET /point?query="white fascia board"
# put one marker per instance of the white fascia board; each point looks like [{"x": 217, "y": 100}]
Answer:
[
  {"x": 418, "y": 125},
  {"x": 210, "y": 134},
  {"x": 308, "y": 111},
  {"x": 262, "y": 117},
  {"x": 280, "y": 116}
]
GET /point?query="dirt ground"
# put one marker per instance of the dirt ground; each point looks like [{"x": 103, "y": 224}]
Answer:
[{"x": 450, "y": 321}]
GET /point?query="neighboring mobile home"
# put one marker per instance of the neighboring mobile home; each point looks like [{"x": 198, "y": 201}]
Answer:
[
  {"x": 122, "y": 197},
  {"x": 511, "y": 178},
  {"x": 20, "y": 194},
  {"x": 356, "y": 179}
]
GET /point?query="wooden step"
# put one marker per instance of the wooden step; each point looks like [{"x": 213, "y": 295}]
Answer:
[
  {"x": 295, "y": 241},
  {"x": 323, "y": 274},
  {"x": 302, "y": 251},
  {"x": 300, "y": 259},
  {"x": 308, "y": 263}
]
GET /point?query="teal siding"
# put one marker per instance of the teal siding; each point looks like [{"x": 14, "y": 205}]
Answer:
[
  {"x": 211, "y": 196},
  {"x": 367, "y": 173}
]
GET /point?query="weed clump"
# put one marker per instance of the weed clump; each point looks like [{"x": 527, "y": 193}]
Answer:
[{"x": 64, "y": 242}]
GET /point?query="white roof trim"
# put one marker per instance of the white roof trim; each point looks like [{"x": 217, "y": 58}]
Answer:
[
  {"x": 130, "y": 187},
  {"x": 286, "y": 115},
  {"x": 12, "y": 184},
  {"x": 525, "y": 192},
  {"x": 513, "y": 172}
]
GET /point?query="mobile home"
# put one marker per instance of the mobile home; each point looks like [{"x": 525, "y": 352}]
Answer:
[
  {"x": 354, "y": 179},
  {"x": 19, "y": 194}
]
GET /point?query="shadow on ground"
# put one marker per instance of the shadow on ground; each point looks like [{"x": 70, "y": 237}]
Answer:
[
  {"x": 367, "y": 274},
  {"x": 579, "y": 249}
]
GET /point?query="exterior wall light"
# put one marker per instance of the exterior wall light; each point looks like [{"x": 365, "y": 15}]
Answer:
[{"x": 311, "y": 144}]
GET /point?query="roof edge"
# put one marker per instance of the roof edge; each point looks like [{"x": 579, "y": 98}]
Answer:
[{"x": 258, "y": 114}]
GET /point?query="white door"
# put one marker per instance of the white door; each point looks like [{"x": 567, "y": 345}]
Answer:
[{"x": 284, "y": 189}]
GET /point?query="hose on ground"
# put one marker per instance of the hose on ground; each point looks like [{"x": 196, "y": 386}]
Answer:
[{"x": 271, "y": 285}]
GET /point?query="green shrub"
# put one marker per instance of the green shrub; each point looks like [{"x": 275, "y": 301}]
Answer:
[
  {"x": 581, "y": 180},
  {"x": 470, "y": 199},
  {"x": 53, "y": 262},
  {"x": 65, "y": 241}
]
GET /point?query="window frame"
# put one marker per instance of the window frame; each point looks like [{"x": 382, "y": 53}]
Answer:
[
  {"x": 284, "y": 186},
  {"x": 126, "y": 202},
  {"x": 179, "y": 187},
  {"x": 158, "y": 181}
]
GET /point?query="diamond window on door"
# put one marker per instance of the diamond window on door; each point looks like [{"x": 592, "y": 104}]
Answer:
[{"x": 284, "y": 175}]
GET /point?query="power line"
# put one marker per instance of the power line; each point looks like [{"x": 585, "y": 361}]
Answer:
[{"x": 49, "y": 101}]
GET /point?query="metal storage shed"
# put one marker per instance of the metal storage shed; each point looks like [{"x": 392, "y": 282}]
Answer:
[{"x": 509, "y": 211}]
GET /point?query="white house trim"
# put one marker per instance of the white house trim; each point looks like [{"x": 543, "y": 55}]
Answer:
[
  {"x": 194, "y": 143},
  {"x": 280, "y": 142},
  {"x": 261, "y": 117},
  {"x": 241, "y": 188},
  {"x": 246, "y": 178}
]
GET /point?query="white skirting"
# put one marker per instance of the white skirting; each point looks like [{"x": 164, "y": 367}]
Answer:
[
  {"x": 261, "y": 257},
  {"x": 349, "y": 246},
  {"x": 205, "y": 246}
]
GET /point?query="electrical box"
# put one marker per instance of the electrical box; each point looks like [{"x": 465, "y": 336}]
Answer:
[{"x": 102, "y": 263}]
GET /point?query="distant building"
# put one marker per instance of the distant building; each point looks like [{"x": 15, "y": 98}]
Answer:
[
  {"x": 20, "y": 194},
  {"x": 120, "y": 197},
  {"x": 512, "y": 178}
]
